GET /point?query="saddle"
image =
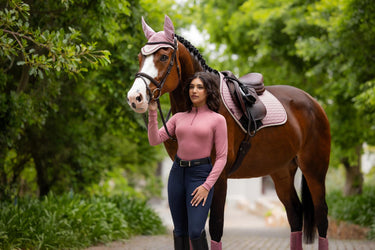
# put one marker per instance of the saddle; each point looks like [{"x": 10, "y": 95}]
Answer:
[{"x": 244, "y": 92}]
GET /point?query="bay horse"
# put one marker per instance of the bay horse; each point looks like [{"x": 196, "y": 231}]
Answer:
[{"x": 303, "y": 142}]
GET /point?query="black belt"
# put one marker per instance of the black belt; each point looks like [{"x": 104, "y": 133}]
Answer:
[{"x": 193, "y": 163}]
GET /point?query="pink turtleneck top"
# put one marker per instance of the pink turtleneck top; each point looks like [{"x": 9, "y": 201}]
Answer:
[{"x": 196, "y": 131}]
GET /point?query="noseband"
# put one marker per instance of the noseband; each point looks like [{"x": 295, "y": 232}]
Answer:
[{"x": 160, "y": 85}]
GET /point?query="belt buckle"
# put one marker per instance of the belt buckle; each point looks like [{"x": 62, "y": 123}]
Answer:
[{"x": 183, "y": 163}]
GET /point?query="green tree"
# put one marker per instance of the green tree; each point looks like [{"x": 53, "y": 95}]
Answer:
[
  {"x": 323, "y": 47},
  {"x": 32, "y": 61},
  {"x": 345, "y": 55},
  {"x": 63, "y": 111}
]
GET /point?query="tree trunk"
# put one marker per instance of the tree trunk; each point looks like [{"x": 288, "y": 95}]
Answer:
[
  {"x": 40, "y": 163},
  {"x": 42, "y": 176},
  {"x": 3, "y": 175},
  {"x": 354, "y": 176}
]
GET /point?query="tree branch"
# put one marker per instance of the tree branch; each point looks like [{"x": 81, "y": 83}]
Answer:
[{"x": 15, "y": 34}]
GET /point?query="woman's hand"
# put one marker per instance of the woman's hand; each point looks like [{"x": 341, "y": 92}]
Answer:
[
  {"x": 152, "y": 106},
  {"x": 200, "y": 193}
]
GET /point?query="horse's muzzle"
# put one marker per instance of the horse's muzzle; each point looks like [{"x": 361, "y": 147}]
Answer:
[{"x": 138, "y": 103}]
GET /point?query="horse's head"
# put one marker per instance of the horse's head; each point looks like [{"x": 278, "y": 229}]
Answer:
[{"x": 158, "y": 67}]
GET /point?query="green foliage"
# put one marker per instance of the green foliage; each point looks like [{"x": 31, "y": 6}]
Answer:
[
  {"x": 359, "y": 209},
  {"x": 141, "y": 219},
  {"x": 324, "y": 47},
  {"x": 335, "y": 179},
  {"x": 73, "y": 221},
  {"x": 370, "y": 176},
  {"x": 44, "y": 50},
  {"x": 63, "y": 110}
]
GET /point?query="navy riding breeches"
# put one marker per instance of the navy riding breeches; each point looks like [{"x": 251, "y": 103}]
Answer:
[{"x": 188, "y": 220}]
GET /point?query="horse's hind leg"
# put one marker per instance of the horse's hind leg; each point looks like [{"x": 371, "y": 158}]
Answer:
[
  {"x": 284, "y": 185},
  {"x": 314, "y": 166},
  {"x": 216, "y": 221}
]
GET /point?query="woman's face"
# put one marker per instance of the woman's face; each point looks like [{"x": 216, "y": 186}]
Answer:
[{"x": 197, "y": 93}]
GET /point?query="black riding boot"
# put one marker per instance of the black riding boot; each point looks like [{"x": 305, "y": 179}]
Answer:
[
  {"x": 181, "y": 242},
  {"x": 200, "y": 243}
]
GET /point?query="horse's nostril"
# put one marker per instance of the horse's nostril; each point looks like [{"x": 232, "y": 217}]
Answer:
[
  {"x": 139, "y": 98},
  {"x": 133, "y": 105}
]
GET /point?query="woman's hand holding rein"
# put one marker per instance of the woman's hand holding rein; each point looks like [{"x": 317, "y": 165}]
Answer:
[{"x": 152, "y": 106}]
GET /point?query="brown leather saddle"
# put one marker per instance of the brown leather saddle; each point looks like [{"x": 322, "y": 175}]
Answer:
[{"x": 244, "y": 92}]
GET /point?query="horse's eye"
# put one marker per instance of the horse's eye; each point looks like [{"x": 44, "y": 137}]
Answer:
[{"x": 164, "y": 58}]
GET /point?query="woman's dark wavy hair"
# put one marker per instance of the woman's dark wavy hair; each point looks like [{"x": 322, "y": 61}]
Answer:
[{"x": 211, "y": 84}]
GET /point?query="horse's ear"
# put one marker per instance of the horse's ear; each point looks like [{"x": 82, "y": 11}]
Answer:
[
  {"x": 168, "y": 28},
  {"x": 147, "y": 29}
]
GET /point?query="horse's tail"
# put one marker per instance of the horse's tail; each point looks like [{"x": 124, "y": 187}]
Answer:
[{"x": 309, "y": 229}]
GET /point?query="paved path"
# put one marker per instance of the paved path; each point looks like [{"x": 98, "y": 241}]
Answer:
[{"x": 242, "y": 231}]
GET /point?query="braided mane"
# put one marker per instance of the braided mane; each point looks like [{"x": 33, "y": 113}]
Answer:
[{"x": 195, "y": 52}]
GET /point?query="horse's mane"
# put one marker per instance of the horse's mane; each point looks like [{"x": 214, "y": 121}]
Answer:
[{"x": 195, "y": 52}]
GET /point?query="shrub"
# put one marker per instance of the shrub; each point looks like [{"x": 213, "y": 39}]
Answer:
[
  {"x": 359, "y": 209},
  {"x": 73, "y": 221},
  {"x": 141, "y": 219}
]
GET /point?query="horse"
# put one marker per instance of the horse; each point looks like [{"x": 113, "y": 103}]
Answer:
[{"x": 303, "y": 141}]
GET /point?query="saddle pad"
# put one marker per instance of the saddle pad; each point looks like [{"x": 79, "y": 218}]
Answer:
[{"x": 276, "y": 114}]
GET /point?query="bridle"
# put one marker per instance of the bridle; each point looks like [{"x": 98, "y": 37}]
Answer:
[{"x": 160, "y": 85}]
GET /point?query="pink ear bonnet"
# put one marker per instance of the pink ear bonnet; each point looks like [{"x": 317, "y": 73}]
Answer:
[{"x": 154, "y": 37}]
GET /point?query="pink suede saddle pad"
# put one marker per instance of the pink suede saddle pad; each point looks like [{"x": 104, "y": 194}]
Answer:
[{"x": 276, "y": 114}]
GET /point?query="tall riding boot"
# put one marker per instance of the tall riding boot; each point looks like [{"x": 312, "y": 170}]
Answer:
[
  {"x": 200, "y": 243},
  {"x": 181, "y": 242},
  {"x": 296, "y": 240}
]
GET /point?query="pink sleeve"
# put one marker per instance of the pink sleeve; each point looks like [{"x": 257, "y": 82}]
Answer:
[
  {"x": 156, "y": 135},
  {"x": 221, "y": 147}
]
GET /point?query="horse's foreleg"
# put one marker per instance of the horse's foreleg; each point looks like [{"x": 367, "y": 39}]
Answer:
[
  {"x": 217, "y": 213},
  {"x": 284, "y": 185}
]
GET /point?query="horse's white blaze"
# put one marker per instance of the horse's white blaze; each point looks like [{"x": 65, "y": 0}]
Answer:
[{"x": 137, "y": 96}]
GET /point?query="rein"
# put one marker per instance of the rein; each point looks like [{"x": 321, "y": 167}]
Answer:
[{"x": 160, "y": 85}]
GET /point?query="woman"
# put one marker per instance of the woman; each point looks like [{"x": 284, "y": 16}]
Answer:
[{"x": 192, "y": 177}]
